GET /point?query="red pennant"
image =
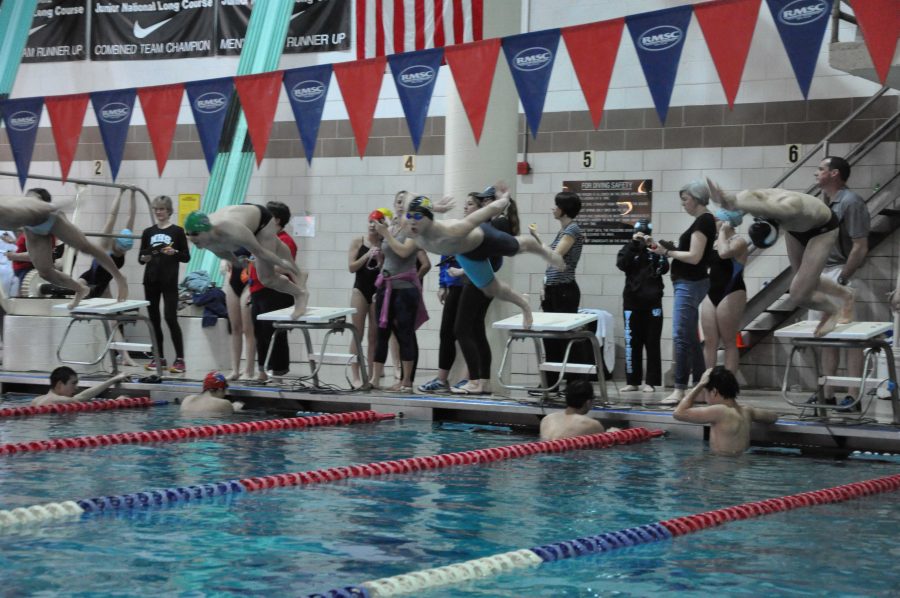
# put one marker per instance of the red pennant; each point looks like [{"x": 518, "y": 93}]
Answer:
[
  {"x": 880, "y": 24},
  {"x": 360, "y": 83},
  {"x": 728, "y": 27},
  {"x": 473, "y": 66},
  {"x": 160, "y": 105},
  {"x": 592, "y": 49},
  {"x": 66, "y": 119},
  {"x": 259, "y": 99}
]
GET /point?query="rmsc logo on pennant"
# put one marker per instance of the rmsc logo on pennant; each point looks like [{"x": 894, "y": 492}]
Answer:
[
  {"x": 23, "y": 121},
  {"x": 802, "y": 12},
  {"x": 114, "y": 112},
  {"x": 308, "y": 91},
  {"x": 417, "y": 75},
  {"x": 210, "y": 102},
  {"x": 532, "y": 59},
  {"x": 660, "y": 38}
]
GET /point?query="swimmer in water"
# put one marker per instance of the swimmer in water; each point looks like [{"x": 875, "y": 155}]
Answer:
[
  {"x": 64, "y": 383},
  {"x": 574, "y": 421},
  {"x": 212, "y": 400}
]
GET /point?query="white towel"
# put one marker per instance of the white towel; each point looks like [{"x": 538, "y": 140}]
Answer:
[{"x": 606, "y": 335}]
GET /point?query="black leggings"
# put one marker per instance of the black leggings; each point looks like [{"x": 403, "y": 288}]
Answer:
[
  {"x": 261, "y": 302},
  {"x": 471, "y": 334},
  {"x": 643, "y": 329},
  {"x": 447, "y": 351},
  {"x": 401, "y": 322},
  {"x": 564, "y": 298},
  {"x": 169, "y": 294}
]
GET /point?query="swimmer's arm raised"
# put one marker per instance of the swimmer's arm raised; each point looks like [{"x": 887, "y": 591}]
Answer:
[
  {"x": 403, "y": 249},
  {"x": 90, "y": 393}
]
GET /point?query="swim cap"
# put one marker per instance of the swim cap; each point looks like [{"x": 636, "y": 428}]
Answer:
[
  {"x": 732, "y": 217},
  {"x": 489, "y": 192},
  {"x": 215, "y": 381},
  {"x": 421, "y": 205},
  {"x": 197, "y": 222},
  {"x": 643, "y": 226},
  {"x": 125, "y": 243},
  {"x": 763, "y": 232},
  {"x": 381, "y": 214}
]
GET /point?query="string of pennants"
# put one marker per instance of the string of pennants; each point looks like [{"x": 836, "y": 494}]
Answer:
[{"x": 727, "y": 26}]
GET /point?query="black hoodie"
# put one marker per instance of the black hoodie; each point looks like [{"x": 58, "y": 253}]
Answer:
[{"x": 643, "y": 276}]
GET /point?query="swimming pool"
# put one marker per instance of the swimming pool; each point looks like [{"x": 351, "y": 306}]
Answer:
[{"x": 311, "y": 539}]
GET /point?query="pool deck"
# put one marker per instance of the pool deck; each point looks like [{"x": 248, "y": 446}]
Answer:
[{"x": 798, "y": 428}]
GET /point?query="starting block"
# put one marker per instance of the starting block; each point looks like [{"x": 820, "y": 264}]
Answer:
[
  {"x": 106, "y": 310},
  {"x": 332, "y": 319},
  {"x": 868, "y": 336},
  {"x": 558, "y": 326}
]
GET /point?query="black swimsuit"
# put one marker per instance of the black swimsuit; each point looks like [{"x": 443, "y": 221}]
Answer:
[
  {"x": 806, "y": 236},
  {"x": 725, "y": 277},
  {"x": 365, "y": 276},
  {"x": 264, "y": 217},
  {"x": 234, "y": 281}
]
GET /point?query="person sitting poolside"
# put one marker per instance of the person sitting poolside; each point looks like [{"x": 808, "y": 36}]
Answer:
[
  {"x": 64, "y": 383},
  {"x": 574, "y": 421},
  {"x": 252, "y": 227},
  {"x": 212, "y": 400},
  {"x": 729, "y": 422},
  {"x": 474, "y": 242}
]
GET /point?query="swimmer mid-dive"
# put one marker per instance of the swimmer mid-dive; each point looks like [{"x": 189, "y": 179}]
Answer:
[
  {"x": 252, "y": 227},
  {"x": 474, "y": 242},
  {"x": 40, "y": 219},
  {"x": 812, "y": 231}
]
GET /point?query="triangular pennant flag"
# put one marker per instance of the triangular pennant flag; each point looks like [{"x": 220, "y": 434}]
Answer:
[
  {"x": 22, "y": 117},
  {"x": 659, "y": 38},
  {"x": 209, "y": 103},
  {"x": 801, "y": 26},
  {"x": 530, "y": 57},
  {"x": 473, "y": 66},
  {"x": 66, "y": 120},
  {"x": 259, "y": 99},
  {"x": 728, "y": 26},
  {"x": 592, "y": 50},
  {"x": 360, "y": 84},
  {"x": 880, "y": 24},
  {"x": 160, "y": 105},
  {"x": 307, "y": 89},
  {"x": 113, "y": 110},
  {"x": 415, "y": 74}
]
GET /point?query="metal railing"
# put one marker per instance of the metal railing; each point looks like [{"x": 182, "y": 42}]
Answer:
[{"x": 838, "y": 15}]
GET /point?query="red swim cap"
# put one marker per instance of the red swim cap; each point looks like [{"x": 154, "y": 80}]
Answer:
[{"x": 214, "y": 381}]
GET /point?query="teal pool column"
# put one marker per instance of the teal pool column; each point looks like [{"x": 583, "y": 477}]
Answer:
[{"x": 15, "y": 21}]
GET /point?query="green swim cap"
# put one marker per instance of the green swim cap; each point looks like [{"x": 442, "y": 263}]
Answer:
[{"x": 197, "y": 222}]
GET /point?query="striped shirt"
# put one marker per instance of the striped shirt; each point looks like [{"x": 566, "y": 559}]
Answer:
[{"x": 553, "y": 276}]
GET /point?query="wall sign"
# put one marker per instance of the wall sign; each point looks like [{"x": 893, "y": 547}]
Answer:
[{"x": 609, "y": 209}]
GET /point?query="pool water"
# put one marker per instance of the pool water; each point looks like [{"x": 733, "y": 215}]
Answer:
[{"x": 311, "y": 539}]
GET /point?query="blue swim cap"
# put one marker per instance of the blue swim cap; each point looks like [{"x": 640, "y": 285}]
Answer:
[
  {"x": 732, "y": 217},
  {"x": 125, "y": 243}
]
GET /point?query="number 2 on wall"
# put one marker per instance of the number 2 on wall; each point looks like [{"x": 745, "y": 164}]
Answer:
[{"x": 98, "y": 167}]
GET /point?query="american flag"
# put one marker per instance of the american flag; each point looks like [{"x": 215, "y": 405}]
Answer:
[{"x": 392, "y": 26}]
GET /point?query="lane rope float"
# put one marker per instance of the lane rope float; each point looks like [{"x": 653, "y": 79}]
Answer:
[
  {"x": 193, "y": 432},
  {"x": 103, "y": 405}
]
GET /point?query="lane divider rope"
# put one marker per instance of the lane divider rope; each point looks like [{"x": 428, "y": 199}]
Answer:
[
  {"x": 426, "y": 579},
  {"x": 41, "y": 514},
  {"x": 189, "y": 433},
  {"x": 103, "y": 405}
]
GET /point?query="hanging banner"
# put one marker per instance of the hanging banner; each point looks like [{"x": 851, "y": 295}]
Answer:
[
  {"x": 259, "y": 99},
  {"x": 415, "y": 74},
  {"x": 659, "y": 38},
  {"x": 113, "y": 110},
  {"x": 879, "y": 21},
  {"x": 160, "y": 105},
  {"x": 609, "y": 209},
  {"x": 66, "y": 119},
  {"x": 592, "y": 49},
  {"x": 473, "y": 66},
  {"x": 728, "y": 26},
  {"x": 315, "y": 26},
  {"x": 132, "y": 30},
  {"x": 306, "y": 90},
  {"x": 801, "y": 25},
  {"x": 58, "y": 32},
  {"x": 360, "y": 84},
  {"x": 530, "y": 57},
  {"x": 209, "y": 103},
  {"x": 21, "y": 117}
]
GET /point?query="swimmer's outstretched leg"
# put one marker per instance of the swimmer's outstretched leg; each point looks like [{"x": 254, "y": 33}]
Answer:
[
  {"x": 301, "y": 299},
  {"x": 504, "y": 292},
  {"x": 533, "y": 244}
]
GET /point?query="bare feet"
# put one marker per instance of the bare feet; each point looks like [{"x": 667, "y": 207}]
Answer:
[
  {"x": 674, "y": 398},
  {"x": 248, "y": 375},
  {"x": 122, "y": 287},
  {"x": 527, "y": 317},
  {"x": 234, "y": 375},
  {"x": 300, "y": 302},
  {"x": 80, "y": 293},
  {"x": 845, "y": 316},
  {"x": 727, "y": 201},
  {"x": 828, "y": 323},
  {"x": 629, "y": 388}
]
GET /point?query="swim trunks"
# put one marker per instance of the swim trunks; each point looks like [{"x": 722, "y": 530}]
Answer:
[{"x": 806, "y": 236}]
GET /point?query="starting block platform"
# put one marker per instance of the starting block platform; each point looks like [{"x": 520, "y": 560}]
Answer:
[
  {"x": 107, "y": 311},
  {"x": 331, "y": 319},
  {"x": 557, "y": 326},
  {"x": 868, "y": 336}
]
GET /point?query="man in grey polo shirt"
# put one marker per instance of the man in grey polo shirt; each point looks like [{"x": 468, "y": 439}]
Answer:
[{"x": 846, "y": 258}]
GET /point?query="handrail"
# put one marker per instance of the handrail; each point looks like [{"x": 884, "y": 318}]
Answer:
[{"x": 837, "y": 15}]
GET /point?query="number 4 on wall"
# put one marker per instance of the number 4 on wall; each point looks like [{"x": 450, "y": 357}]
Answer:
[{"x": 409, "y": 163}]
